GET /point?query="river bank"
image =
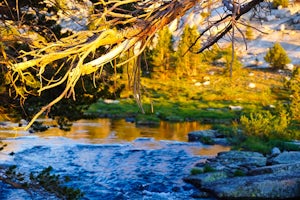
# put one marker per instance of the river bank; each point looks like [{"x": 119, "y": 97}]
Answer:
[{"x": 248, "y": 175}]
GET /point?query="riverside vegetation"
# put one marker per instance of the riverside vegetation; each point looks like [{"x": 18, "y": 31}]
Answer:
[{"x": 257, "y": 108}]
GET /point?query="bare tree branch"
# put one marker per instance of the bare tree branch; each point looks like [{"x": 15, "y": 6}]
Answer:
[{"x": 118, "y": 29}]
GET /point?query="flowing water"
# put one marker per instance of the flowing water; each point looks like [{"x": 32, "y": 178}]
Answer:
[{"x": 110, "y": 159}]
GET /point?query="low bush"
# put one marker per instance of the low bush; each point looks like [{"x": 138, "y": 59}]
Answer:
[{"x": 266, "y": 125}]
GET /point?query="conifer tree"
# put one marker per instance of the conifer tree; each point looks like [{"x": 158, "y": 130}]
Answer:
[
  {"x": 187, "y": 62},
  {"x": 277, "y": 57},
  {"x": 162, "y": 54}
]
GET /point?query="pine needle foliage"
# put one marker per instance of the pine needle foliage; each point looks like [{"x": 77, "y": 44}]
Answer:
[
  {"x": 187, "y": 61},
  {"x": 277, "y": 57},
  {"x": 162, "y": 55}
]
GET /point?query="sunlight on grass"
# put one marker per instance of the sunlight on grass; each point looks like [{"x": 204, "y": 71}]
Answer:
[{"x": 189, "y": 99}]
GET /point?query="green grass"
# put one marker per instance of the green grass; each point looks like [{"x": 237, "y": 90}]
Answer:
[
  {"x": 119, "y": 110},
  {"x": 164, "y": 110},
  {"x": 180, "y": 100},
  {"x": 264, "y": 146}
]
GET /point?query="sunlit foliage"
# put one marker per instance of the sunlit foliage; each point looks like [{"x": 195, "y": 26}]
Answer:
[
  {"x": 266, "y": 125},
  {"x": 277, "y": 57},
  {"x": 293, "y": 86},
  {"x": 162, "y": 54},
  {"x": 187, "y": 62}
]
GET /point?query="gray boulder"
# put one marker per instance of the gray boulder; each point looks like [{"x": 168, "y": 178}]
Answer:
[
  {"x": 245, "y": 175},
  {"x": 207, "y": 137},
  {"x": 267, "y": 186},
  {"x": 198, "y": 135},
  {"x": 242, "y": 158},
  {"x": 281, "y": 13},
  {"x": 201, "y": 179},
  {"x": 275, "y": 151},
  {"x": 232, "y": 162},
  {"x": 294, "y": 167},
  {"x": 285, "y": 158}
]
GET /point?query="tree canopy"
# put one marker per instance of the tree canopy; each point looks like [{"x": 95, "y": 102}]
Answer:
[{"x": 38, "y": 57}]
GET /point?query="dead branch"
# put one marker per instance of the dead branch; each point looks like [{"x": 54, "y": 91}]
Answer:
[{"x": 117, "y": 30}]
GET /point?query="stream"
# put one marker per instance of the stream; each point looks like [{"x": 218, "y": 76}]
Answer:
[{"x": 109, "y": 159}]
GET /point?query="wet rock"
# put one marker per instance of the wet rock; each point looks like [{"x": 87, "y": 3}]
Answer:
[
  {"x": 204, "y": 136},
  {"x": 207, "y": 137}
]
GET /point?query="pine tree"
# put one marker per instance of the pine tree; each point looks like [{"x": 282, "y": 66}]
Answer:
[
  {"x": 187, "y": 62},
  {"x": 277, "y": 57},
  {"x": 161, "y": 58}
]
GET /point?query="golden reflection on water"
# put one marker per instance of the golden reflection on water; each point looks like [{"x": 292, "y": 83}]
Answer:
[
  {"x": 120, "y": 130},
  {"x": 114, "y": 130},
  {"x": 102, "y": 131}
]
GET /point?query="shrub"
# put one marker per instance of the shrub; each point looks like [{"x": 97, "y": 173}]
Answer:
[
  {"x": 283, "y": 3},
  {"x": 277, "y": 57},
  {"x": 266, "y": 125}
]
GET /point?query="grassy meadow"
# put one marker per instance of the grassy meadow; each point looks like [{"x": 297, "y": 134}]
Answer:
[
  {"x": 208, "y": 98},
  {"x": 205, "y": 98}
]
